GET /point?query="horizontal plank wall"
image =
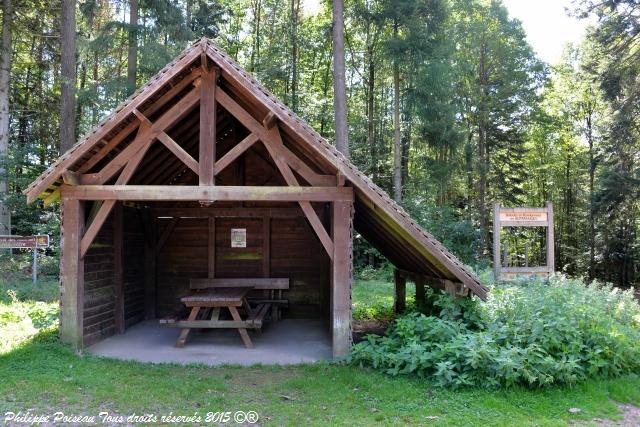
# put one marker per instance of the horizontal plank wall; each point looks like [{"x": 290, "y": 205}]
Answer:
[
  {"x": 183, "y": 256},
  {"x": 296, "y": 253},
  {"x": 280, "y": 243},
  {"x": 133, "y": 267},
  {"x": 99, "y": 291}
]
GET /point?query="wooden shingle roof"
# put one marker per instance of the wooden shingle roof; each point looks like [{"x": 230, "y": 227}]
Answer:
[{"x": 377, "y": 217}]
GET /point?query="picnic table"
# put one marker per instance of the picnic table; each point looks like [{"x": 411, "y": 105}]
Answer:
[{"x": 205, "y": 313}]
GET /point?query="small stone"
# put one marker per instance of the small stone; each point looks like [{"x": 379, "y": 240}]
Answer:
[
  {"x": 373, "y": 410},
  {"x": 575, "y": 410}
]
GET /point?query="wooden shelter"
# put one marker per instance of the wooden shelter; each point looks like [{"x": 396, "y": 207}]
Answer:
[{"x": 151, "y": 195}]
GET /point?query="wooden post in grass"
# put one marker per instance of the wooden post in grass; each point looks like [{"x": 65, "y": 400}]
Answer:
[
  {"x": 400, "y": 295},
  {"x": 420, "y": 283},
  {"x": 341, "y": 278},
  {"x": 72, "y": 273}
]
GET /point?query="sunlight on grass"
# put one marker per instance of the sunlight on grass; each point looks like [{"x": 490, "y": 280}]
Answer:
[
  {"x": 26, "y": 309},
  {"x": 44, "y": 376},
  {"x": 373, "y": 299}
]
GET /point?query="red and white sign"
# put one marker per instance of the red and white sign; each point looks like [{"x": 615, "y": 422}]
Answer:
[{"x": 24, "y": 242}]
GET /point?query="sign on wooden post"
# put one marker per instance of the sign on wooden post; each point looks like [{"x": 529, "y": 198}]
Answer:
[
  {"x": 26, "y": 242},
  {"x": 522, "y": 217}
]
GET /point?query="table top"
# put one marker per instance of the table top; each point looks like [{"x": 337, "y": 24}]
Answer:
[{"x": 219, "y": 295}]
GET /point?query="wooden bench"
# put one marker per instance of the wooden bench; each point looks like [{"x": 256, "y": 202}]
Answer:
[{"x": 272, "y": 288}]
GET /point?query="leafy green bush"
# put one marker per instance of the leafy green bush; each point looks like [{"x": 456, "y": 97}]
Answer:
[{"x": 531, "y": 333}]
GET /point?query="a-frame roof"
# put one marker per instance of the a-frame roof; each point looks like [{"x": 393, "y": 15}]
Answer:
[{"x": 377, "y": 217}]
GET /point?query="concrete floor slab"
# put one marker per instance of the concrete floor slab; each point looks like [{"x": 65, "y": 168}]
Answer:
[{"x": 289, "y": 341}]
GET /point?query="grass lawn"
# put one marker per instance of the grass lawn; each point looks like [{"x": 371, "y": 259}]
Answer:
[{"x": 42, "y": 376}]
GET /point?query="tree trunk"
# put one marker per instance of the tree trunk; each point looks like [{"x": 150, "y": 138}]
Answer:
[
  {"x": 295, "y": 18},
  {"x": 371, "y": 140},
  {"x": 483, "y": 165},
  {"x": 255, "y": 46},
  {"x": 5, "y": 70},
  {"x": 592, "y": 222},
  {"x": 397, "y": 140},
  {"x": 339, "y": 83},
  {"x": 132, "y": 54},
  {"x": 68, "y": 71}
]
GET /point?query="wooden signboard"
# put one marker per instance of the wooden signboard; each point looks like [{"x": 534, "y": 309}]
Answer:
[
  {"x": 27, "y": 242},
  {"x": 522, "y": 217},
  {"x": 24, "y": 242}
]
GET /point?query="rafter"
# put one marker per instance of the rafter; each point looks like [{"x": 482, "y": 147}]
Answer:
[
  {"x": 107, "y": 206},
  {"x": 235, "y": 152},
  {"x": 266, "y": 135},
  {"x": 175, "y": 113},
  {"x": 291, "y": 180},
  {"x": 178, "y": 151}
]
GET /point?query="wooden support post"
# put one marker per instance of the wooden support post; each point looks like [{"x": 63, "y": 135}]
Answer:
[
  {"x": 420, "y": 283},
  {"x": 266, "y": 246},
  {"x": 150, "y": 267},
  {"x": 341, "y": 278},
  {"x": 211, "y": 254},
  {"x": 72, "y": 274},
  {"x": 497, "y": 264},
  {"x": 118, "y": 269},
  {"x": 400, "y": 295},
  {"x": 207, "y": 153},
  {"x": 551, "y": 258}
]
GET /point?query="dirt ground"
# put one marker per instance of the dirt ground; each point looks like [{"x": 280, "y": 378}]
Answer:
[{"x": 630, "y": 414}]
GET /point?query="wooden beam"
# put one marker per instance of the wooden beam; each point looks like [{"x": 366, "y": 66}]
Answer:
[
  {"x": 179, "y": 152},
  {"x": 231, "y": 212},
  {"x": 118, "y": 269},
  {"x": 145, "y": 133},
  {"x": 259, "y": 283},
  {"x": 551, "y": 257},
  {"x": 266, "y": 246},
  {"x": 270, "y": 120},
  {"x": 291, "y": 180},
  {"x": 207, "y": 152},
  {"x": 116, "y": 140},
  {"x": 400, "y": 294},
  {"x": 72, "y": 274},
  {"x": 269, "y": 136},
  {"x": 70, "y": 178},
  {"x": 211, "y": 247},
  {"x": 420, "y": 291},
  {"x": 217, "y": 193},
  {"x": 235, "y": 152},
  {"x": 105, "y": 209},
  {"x": 301, "y": 167},
  {"x": 341, "y": 278}
]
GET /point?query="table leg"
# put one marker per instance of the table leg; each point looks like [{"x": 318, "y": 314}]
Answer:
[
  {"x": 182, "y": 339},
  {"x": 243, "y": 332}
]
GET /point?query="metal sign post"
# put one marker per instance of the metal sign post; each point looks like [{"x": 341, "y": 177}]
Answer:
[
  {"x": 522, "y": 217},
  {"x": 27, "y": 242}
]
